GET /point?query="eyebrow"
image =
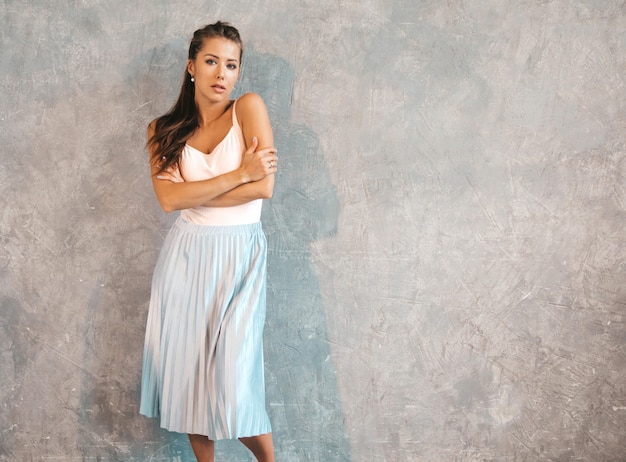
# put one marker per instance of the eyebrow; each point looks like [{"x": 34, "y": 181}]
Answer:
[{"x": 215, "y": 56}]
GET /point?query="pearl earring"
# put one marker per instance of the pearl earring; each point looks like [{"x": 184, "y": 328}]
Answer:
[{"x": 192, "y": 79}]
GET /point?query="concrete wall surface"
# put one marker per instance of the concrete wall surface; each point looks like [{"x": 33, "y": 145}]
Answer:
[{"x": 447, "y": 261}]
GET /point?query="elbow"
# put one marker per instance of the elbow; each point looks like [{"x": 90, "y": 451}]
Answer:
[
  {"x": 167, "y": 206},
  {"x": 169, "y": 202},
  {"x": 267, "y": 189},
  {"x": 267, "y": 193}
]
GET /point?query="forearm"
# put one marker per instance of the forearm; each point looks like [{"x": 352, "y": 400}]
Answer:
[
  {"x": 245, "y": 193},
  {"x": 176, "y": 196}
]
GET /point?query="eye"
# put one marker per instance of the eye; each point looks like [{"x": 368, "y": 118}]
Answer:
[
  {"x": 210, "y": 61},
  {"x": 232, "y": 66}
]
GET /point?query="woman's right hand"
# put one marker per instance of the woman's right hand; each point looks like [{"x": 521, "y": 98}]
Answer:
[{"x": 256, "y": 165}]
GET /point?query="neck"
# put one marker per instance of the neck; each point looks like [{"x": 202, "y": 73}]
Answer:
[{"x": 209, "y": 112}]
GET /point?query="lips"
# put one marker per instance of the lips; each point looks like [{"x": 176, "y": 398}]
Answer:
[{"x": 218, "y": 88}]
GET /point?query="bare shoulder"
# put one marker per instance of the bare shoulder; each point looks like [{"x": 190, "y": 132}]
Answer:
[
  {"x": 254, "y": 119},
  {"x": 250, "y": 98},
  {"x": 250, "y": 105},
  {"x": 151, "y": 128}
]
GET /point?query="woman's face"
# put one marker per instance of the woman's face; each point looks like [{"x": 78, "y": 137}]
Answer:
[{"x": 215, "y": 69}]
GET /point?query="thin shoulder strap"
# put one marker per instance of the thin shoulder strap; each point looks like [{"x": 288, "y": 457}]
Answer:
[
  {"x": 235, "y": 122},
  {"x": 236, "y": 125}
]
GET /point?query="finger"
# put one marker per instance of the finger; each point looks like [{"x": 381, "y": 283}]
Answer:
[
  {"x": 266, "y": 154},
  {"x": 271, "y": 164},
  {"x": 253, "y": 145},
  {"x": 269, "y": 156}
]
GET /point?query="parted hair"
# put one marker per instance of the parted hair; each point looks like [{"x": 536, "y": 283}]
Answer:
[{"x": 173, "y": 129}]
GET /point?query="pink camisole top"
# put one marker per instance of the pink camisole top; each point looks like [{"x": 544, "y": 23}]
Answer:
[{"x": 195, "y": 165}]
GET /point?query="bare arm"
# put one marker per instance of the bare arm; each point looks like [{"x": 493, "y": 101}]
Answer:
[
  {"x": 255, "y": 122},
  {"x": 182, "y": 195}
]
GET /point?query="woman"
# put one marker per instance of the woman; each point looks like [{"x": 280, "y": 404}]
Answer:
[{"x": 213, "y": 159}]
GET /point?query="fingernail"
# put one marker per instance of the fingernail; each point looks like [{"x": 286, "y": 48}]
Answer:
[
  {"x": 159, "y": 177},
  {"x": 254, "y": 139}
]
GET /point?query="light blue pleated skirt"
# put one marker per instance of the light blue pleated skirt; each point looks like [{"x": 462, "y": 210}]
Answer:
[{"x": 203, "y": 353}]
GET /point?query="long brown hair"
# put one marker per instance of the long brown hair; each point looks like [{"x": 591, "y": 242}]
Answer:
[{"x": 172, "y": 129}]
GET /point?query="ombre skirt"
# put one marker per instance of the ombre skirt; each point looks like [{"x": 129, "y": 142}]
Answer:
[{"x": 203, "y": 354}]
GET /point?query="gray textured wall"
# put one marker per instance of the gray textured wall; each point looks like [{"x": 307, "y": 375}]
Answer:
[{"x": 447, "y": 258}]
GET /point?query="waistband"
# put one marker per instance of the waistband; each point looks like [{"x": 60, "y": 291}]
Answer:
[{"x": 195, "y": 228}]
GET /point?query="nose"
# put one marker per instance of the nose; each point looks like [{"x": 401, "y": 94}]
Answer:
[{"x": 220, "y": 72}]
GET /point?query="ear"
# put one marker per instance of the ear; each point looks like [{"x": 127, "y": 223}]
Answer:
[{"x": 190, "y": 67}]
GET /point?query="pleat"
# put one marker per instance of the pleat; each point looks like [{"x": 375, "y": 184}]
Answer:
[{"x": 203, "y": 353}]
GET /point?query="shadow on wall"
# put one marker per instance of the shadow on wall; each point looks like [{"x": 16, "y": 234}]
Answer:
[{"x": 302, "y": 392}]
